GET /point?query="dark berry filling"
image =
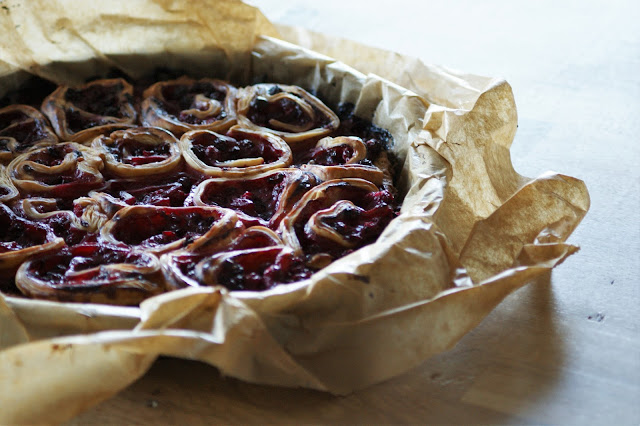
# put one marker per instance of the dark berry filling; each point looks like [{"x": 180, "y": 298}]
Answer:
[
  {"x": 261, "y": 270},
  {"x": 10, "y": 118},
  {"x": 186, "y": 264},
  {"x": 98, "y": 99},
  {"x": 212, "y": 149},
  {"x": 72, "y": 182},
  {"x": 163, "y": 226},
  {"x": 64, "y": 267},
  {"x": 63, "y": 227},
  {"x": 77, "y": 121},
  {"x": 178, "y": 98},
  {"x": 362, "y": 225},
  {"x": 333, "y": 156},
  {"x": 68, "y": 184},
  {"x": 375, "y": 138},
  {"x": 167, "y": 191},
  {"x": 254, "y": 197},
  {"x": 53, "y": 155},
  {"x": 17, "y": 233},
  {"x": 24, "y": 129},
  {"x": 359, "y": 225},
  {"x": 261, "y": 111},
  {"x": 128, "y": 151}
]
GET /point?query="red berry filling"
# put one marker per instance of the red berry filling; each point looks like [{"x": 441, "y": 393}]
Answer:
[
  {"x": 157, "y": 227},
  {"x": 168, "y": 191},
  {"x": 66, "y": 267},
  {"x": 17, "y": 233},
  {"x": 254, "y": 197}
]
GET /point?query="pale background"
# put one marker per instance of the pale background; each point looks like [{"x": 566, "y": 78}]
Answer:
[{"x": 563, "y": 350}]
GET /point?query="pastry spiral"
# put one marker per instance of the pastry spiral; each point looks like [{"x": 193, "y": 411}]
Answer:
[
  {"x": 262, "y": 199},
  {"x": 239, "y": 153},
  {"x": 22, "y": 127},
  {"x": 94, "y": 273},
  {"x": 138, "y": 152},
  {"x": 186, "y": 104},
  {"x": 74, "y": 110},
  {"x": 65, "y": 170},
  {"x": 287, "y": 111}
]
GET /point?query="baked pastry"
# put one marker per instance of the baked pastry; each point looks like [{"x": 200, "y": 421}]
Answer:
[
  {"x": 287, "y": 111},
  {"x": 186, "y": 104},
  {"x": 74, "y": 110},
  {"x": 185, "y": 192}
]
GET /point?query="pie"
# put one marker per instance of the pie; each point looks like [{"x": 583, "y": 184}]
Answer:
[{"x": 112, "y": 192}]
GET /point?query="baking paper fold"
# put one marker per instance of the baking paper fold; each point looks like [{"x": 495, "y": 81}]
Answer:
[{"x": 471, "y": 229}]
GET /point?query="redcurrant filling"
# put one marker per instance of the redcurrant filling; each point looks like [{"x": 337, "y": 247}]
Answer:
[
  {"x": 359, "y": 225},
  {"x": 254, "y": 197},
  {"x": 63, "y": 227},
  {"x": 153, "y": 228},
  {"x": 129, "y": 151},
  {"x": 168, "y": 191},
  {"x": 179, "y": 98},
  {"x": 186, "y": 263},
  {"x": 17, "y": 233},
  {"x": 67, "y": 266},
  {"x": 213, "y": 149},
  {"x": 71, "y": 183},
  {"x": 261, "y": 270}
]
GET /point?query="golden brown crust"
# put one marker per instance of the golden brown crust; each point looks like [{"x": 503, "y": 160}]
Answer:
[
  {"x": 8, "y": 191},
  {"x": 87, "y": 136}
]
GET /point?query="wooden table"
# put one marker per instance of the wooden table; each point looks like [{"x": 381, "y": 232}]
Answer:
[{"x": 564, "y": 349}]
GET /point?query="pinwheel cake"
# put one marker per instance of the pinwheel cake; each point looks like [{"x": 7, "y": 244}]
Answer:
[{"x": 114, "y": 192}]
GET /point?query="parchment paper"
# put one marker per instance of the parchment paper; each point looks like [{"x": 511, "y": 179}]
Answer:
[{"x": 471, "y": 230}]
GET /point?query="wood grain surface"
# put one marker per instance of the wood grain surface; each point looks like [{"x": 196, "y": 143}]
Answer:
[{"x": 562, "y": 350}]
